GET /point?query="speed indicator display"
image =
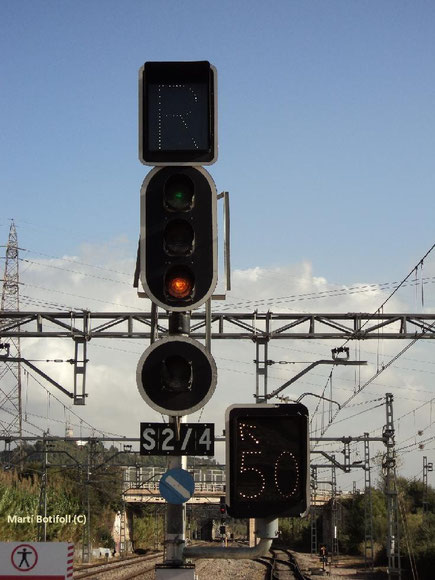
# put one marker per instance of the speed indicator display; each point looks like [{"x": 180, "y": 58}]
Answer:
[{"x": 267, "y": 460}]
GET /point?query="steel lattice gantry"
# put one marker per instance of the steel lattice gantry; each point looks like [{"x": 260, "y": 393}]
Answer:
[
  {"x": 86, "y": 325},
  {"x": 259, "y": 327}
]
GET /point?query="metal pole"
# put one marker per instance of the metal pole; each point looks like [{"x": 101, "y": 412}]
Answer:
[
  {"x": 393, "y": 537},
  {"x": 227, "y": 240},
  {"x": 45, "y": 490},
  {"x": 368, "y": 507},
  {"x": 208, "y": 325},
  {"x": 175, "y": 537},
  {"x": 426, "y": 467},
  {"x": 42, "y": 508},
  {"x": 313, "y": 511},
  {"x": 88, "y": 517},
  {"x": 334, "y": 539},
  {"x": 86, "y": 552}
]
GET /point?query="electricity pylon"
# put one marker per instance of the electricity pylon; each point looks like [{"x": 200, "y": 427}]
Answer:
[{"x": 10, "y": 372}]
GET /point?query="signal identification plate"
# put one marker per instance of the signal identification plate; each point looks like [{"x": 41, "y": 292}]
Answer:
[{"x": 161, "y": 439}]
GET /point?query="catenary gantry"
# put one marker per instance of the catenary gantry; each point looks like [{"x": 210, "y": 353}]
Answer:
[{"x": 86, "y": 325}]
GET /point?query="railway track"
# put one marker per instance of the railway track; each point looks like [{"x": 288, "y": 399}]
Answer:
[
  {"x": 134, "y": 566},
  {"x": 281, "y": 566},
  {"x": 84, "y": 567}
]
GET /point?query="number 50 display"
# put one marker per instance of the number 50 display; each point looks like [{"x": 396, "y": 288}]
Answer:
[{"x": 267, "y": 460}]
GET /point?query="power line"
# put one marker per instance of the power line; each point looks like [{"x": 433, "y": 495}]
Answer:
[
  {"x": 74, "y": 261},
  {"x": 52, "y": 266},
  {"x": 272, "y": 300},
  {"x": 419, "y": 264},
  {"x": 82, "y": 421},
  {"x": 333, "y": 293},
  {"x": 414, "y": 269}
]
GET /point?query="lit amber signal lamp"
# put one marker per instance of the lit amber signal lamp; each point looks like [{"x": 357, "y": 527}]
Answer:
[{"x": 179, "y": 284}]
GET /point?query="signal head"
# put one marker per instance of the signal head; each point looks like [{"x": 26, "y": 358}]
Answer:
[
  {"x": 178, "y": 245},
  {"x": 176, "y": 375}
]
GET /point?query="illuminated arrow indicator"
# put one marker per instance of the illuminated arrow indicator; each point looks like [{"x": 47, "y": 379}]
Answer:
[{"x": 246, "y": 430}]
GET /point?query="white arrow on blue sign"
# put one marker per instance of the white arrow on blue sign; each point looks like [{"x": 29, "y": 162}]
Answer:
[{"x": 177, "y": 486}]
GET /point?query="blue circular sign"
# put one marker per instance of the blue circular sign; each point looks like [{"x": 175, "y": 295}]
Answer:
[{"x": 177, "y": 486}]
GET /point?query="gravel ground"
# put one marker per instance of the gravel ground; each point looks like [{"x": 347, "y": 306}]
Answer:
[
  {"x": 343, "y": 568},
  {"x": 229, "y": 569},
  {"x": 206, "y": 569}
]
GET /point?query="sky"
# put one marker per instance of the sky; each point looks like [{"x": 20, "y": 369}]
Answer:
[{"x": 326, "y": 139}]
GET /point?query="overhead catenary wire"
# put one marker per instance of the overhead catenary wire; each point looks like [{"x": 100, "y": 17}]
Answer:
[
  {"x": 274, "y": 300},
  {"x": 355, "y": 415},
  {"x": 238, "y": 371},
  {"x": 65, "y": 407},
  {"x": 319, "y": 294},
  {"x": 333, "y": 293},
  {"x": 87, "y": 274},
  {"x": 408, "y": 448},
  {"x": 382, "y": 369},
  {"x": 405, "y": 279},
  {"x": 75, "y": 261},
  {"x": 234, "y": 370}
]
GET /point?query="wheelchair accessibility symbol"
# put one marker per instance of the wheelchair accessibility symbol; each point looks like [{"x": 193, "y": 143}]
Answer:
[{"x": 24, "y": 557}]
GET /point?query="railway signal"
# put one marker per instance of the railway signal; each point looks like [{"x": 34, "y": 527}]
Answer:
[
  {"x": 177, "y": 262},
  {"x": 176, "y": 375},
  {"x": 267, "y": 460},
  {"x": 177, "y": 259},
  {"x": 178, "y": 242},
  {"x": 222, "y": 507}
]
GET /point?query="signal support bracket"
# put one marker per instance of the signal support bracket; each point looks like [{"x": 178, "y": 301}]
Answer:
[
  {"x": 40, "y": 373},
  {"x": 333, "y": 361},
  {"x": 80, "y": 361},
  {"x": 225, "y": 195}
]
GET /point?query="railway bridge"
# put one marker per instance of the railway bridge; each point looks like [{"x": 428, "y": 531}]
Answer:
[{"x": 141, "y": 488}]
